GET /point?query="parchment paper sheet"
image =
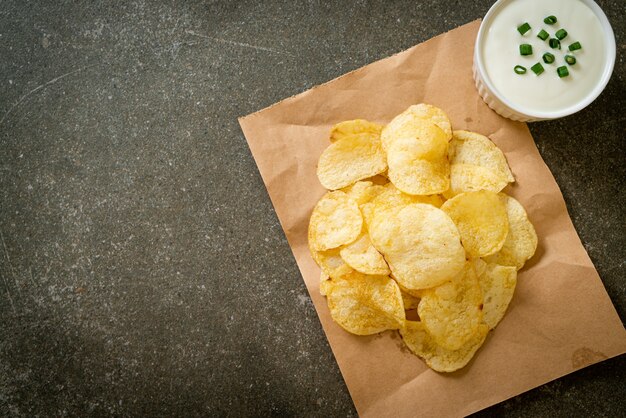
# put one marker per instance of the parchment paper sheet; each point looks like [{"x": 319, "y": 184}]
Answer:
[{"x": 560, "y": 319}]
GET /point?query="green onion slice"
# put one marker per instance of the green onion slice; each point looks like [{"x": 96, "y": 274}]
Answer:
[
  {"x": 560, "y": 34},
  {"x": 570, "y": 59},
  {"x": 526, "y": 49},
  {"x": 523, "y": 28},
  {"x": 575, "y": 46},
  {"x": 548, "y": 58},
  {"x": 555, "y": 43},
  {"x": 543, "y": 35},
  {"x": 562, "y": 71},
  {"x": 550, "y": 20},
  {"x": 519, "y": 69},
  {"x": 537, "y": 68}
]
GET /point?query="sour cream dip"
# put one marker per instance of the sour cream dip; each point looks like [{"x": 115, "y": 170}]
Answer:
[{"x": 530, "y": 96}]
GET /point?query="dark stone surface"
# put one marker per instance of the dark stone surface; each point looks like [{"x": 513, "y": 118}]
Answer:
[{"x": 143, "y": 270}]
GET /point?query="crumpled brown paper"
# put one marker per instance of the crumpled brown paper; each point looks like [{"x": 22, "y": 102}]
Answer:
[{"x": 560, "y": 319}]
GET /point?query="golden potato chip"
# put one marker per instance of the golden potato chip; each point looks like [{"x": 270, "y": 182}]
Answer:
[
  {"x": 452, "y": 311},
  {"x": 354, "y": 127},
  {"x": 363, "y": 191},
  {"x": 413, "y": 174},
  {"x": 471, "y": 178},
  {"x": 440, "y": 359},
  {"x": 476, "y": 149},
  {"x": 416, "y": 152},
  {"x": 363, "y": 257},
  {"x": 497, "y": 284},
  {"x": 351, "y": 159},
  {"x": 481, "y": 219},
  {"x": 411, "y": 125},
  {"x": 324, "y": 283},
  {"x": 365, "y": 305},
  {"x": 420, "y": 243},
  {"x": 336, "y": 220},
  {"x": 410, "y": 301},
  {"x": 331, "y": 263},
  {"x": 521, "y": 242}
]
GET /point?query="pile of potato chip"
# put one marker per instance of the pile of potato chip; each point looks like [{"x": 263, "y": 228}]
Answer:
[{"x": 416, "y": 234}]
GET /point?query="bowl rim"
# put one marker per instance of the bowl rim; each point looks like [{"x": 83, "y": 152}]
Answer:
[{"x": 544, "y": 115}]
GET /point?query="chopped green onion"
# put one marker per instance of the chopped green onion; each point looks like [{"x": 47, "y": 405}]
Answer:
[
  {"x": 576, "y": 45},
  {"x": 554, "y": 43},
  {"x": 537, "y": 68},
  {"x": 562, "y": 71},
  {"x": 523, "y": 28},
  {"x": 570, "y": 59},
  {"x": 560, "y": 34},
  {"x": 550, "y": 20},
  {"x": 519, "y": 69},
  {"x": 543, "y": 35},
  {"x": 548, "y": 58},
  {"x": 525, "y": 49}
]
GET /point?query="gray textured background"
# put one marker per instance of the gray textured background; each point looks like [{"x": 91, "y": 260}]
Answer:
[{"x": 143, "y": 270}]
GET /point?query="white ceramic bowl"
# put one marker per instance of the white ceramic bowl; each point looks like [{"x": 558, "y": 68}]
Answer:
[{"x": 507, "y": 108}]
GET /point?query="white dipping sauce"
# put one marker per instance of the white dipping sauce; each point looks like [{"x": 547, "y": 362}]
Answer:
[{"x": 545, "y": 92}]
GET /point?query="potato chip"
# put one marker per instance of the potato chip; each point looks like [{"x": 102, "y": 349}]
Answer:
[
  {"x": 363, "y": 191},
  {"x": 365, "y": 305},
  {"x": 331, "y": 263},
  {"x": 476, "y": 149},
  {"x": 521, "y": 242},
  {"x": 471, "y": 178},
  {"x": 440, "y": 359},
  {"x": 420, "y": 243},
  {"x": 351, "y": 159},
  {"x": 354, "y": 127},
  {"x": 416, "y": 151},
  {"x": 481, "y": 219},
  {"x": 410, "y": 172},
  {"x": 452, "y": 311},
  {"x": 497, "y": 284},
  {"x": 363, "y": 257},
  {"x": 411, "y": 125},
  {"x": 336, "y": 220}
]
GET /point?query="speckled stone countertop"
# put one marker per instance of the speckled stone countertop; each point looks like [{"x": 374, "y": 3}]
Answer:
[{"x": 143, "y": 270}]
